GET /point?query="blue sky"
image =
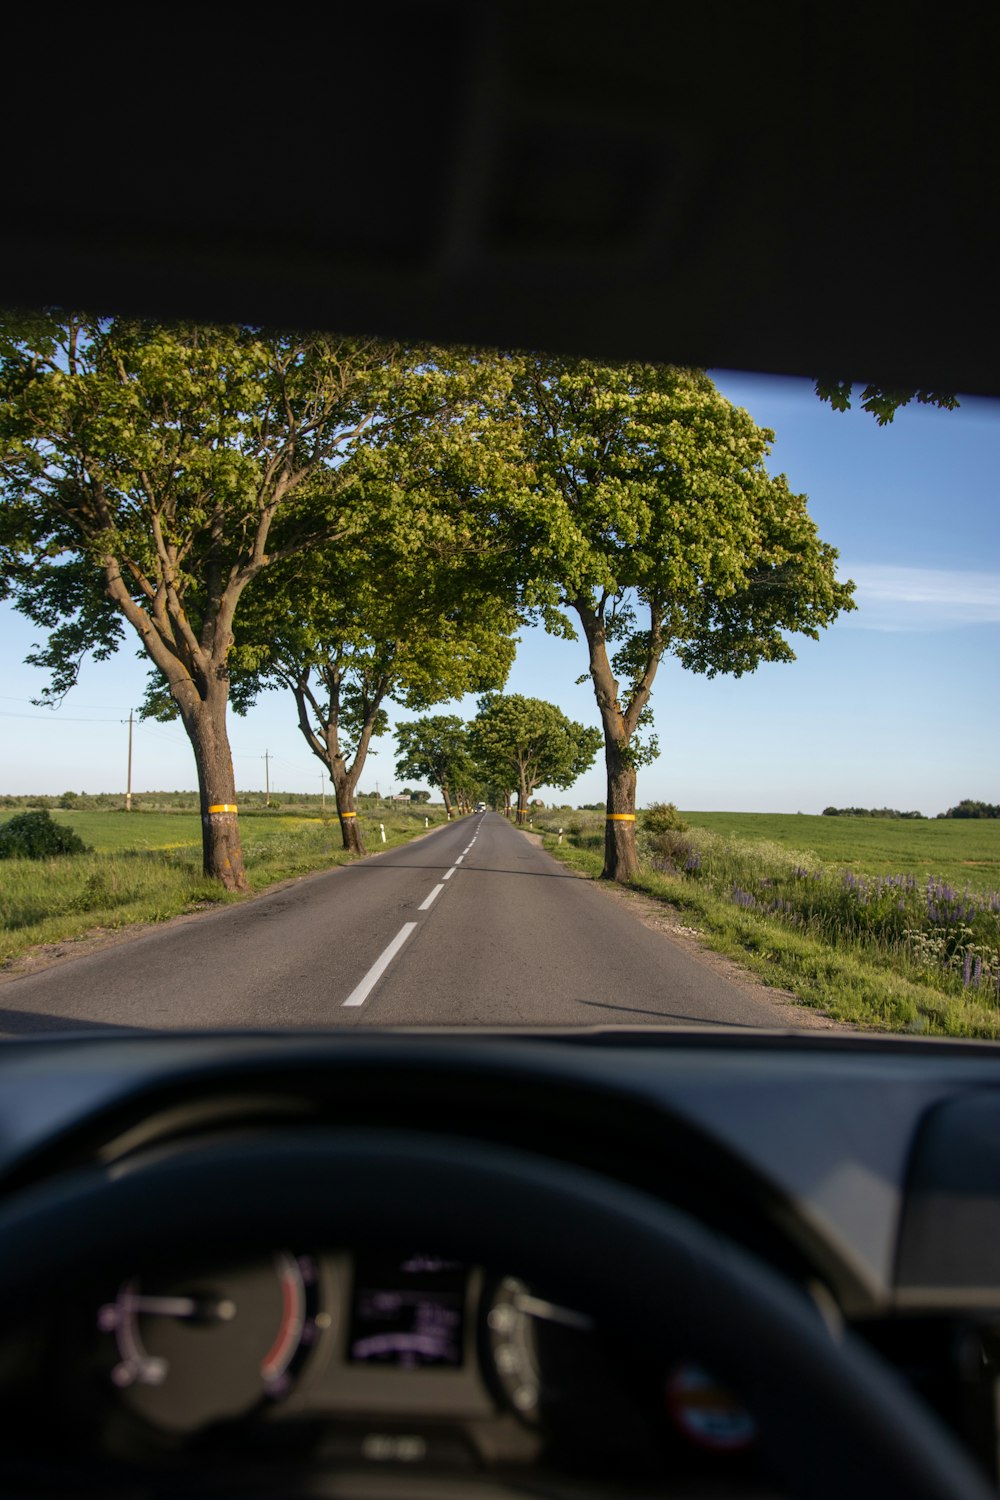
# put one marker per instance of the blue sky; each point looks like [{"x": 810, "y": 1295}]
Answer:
[{"x": 896, "y": 705}]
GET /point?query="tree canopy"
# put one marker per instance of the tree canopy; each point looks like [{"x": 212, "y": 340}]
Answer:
[
  {"x": 435, "y": 748},
  {"x": 373, "y": 622},
  {"x": 882, "y": 401},
  {"x": 526, "y": 743}
]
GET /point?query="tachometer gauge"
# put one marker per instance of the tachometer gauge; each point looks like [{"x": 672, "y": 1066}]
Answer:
[{"x": 209, "y": 1348}]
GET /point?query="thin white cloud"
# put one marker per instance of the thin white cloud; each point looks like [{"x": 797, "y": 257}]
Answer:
[{"x": 896, "y": 598}]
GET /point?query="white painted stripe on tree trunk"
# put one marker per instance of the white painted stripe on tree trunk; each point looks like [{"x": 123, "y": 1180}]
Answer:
[
  {"x": 429, "y": 901},
  {"x": 359, "y": 995}
]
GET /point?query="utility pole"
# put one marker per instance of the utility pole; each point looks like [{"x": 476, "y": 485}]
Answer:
[
  {"x": 128, "y": 792},
  {"x": 267, "y": 781}
]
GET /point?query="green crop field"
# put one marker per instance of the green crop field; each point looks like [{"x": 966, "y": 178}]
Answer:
[
  {"x": 958, "y": 849},
  {"x": 146, "y": 867}
]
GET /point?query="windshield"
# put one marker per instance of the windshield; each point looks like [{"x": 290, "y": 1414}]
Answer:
[{"x": 351, "y": 683}]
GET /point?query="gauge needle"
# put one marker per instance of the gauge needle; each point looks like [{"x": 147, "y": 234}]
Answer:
[
  {"x": 222, "y": 1310},
  {"x": 539, "y": 1307}
]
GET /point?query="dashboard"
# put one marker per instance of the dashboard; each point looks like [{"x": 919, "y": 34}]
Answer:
[{"x": 267, "y": 1345}]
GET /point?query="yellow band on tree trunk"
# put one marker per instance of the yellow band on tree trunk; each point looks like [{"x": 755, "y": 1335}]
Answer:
[
  {"x": 620, "y": 818},
  {"x": 348, "y": 815},
  {"x": 224, "y": 807}
]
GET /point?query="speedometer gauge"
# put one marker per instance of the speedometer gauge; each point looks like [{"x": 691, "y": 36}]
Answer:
[
  {"x": 515, "y": 1322},
  {"x": 208, "y": 1348},
  {"x": 513, "y": 1347}
]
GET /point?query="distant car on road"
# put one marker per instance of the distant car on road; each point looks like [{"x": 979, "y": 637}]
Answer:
[{"x": 479, "y": 807}]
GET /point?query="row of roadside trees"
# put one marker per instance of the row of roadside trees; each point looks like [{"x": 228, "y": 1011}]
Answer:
[
  {"x": 355, "y": 522},
  {"x": 512, "y": 747}
]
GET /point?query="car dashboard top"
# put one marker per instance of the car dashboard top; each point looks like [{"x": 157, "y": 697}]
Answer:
[{"x": 862, "y": 1170}]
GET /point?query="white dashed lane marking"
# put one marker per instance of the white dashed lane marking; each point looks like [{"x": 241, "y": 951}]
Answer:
[{"x": 360, "y": 994}]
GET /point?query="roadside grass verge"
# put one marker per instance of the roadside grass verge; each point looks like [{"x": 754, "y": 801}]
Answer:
[
  {"x": 146, "y": 867},
  {"x": 883, "y": 952}
]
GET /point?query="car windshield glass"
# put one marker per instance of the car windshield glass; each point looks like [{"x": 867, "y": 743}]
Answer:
[{"x": 355, "y": 683}]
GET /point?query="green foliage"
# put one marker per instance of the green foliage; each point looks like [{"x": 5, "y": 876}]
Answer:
[
  {"x": 882, "y": 401},
  {"x": 868, "y": 812},
  {"x": 435, "y": 748},
  {"x": 663, "y": 817},
  {"x": 969, "y": 808},
  {"x": 372, "y": 623},
  {"x": 526, "y": 742},
  {"x": 33, "y": 835}
]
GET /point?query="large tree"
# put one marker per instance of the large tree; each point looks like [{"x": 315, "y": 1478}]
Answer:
[
  {"x": 414, "y": 625},
  {"x": 649, "y": 516},
  {"x": 435, "y": 748},
  {"x": 527, "y": 743},
  {"x": 150, "y": 474}
]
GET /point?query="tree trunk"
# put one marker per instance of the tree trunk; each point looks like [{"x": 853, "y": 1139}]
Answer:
[
  {"x": 621, "y": 857},
  {"x": 343, "y": 787},
  {"x": 447, "y": 802},
  {"x": 522, "y": 802},
  {"x": 222, "y": 851}
]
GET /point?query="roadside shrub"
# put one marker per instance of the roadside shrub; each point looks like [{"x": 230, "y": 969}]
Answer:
[
  {"x": 33, "y": 835},
  {"x": 673, "y": 852},
  {"x": 663, "y": 817}
]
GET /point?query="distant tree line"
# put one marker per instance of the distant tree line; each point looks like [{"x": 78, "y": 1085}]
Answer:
[
  {"x": 868, "y": 812},
  {"x": 967, "y": 808}
]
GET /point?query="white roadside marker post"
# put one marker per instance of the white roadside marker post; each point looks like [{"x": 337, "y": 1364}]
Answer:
[
  {"x": 381, "y": 829},
  {"x": 560, "y": 835}
]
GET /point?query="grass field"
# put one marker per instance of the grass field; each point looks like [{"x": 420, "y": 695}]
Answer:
[
  {"x": 889, "y": 924},
  {"x": 146, "y": 867},
  {"x": 957, "y": 849}
]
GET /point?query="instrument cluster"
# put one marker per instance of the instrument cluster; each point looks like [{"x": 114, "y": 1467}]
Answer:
[{"x": 391, "y": 1359}]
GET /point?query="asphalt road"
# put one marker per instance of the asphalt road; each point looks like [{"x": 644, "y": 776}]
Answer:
[{"x": 470, "y": 925}]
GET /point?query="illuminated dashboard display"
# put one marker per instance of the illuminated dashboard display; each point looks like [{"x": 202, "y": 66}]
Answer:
[{"x": 407, "y": 1311}]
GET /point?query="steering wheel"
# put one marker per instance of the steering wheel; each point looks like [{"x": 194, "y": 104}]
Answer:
[{"x": 833, "y": 1418}]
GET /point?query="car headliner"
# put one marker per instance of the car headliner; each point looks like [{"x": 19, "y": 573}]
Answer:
[{"x": 771, "y": 186}]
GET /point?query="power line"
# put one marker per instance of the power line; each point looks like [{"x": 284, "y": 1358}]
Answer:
[
  {"x": 111, "y": 707},
  {"x": 52, "y": 718}
]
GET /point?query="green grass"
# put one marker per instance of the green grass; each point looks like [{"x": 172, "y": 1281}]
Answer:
[
  {"x": 814, "y": 911},
  {"x": 958, "y": 849},
  {"x": 146, "y": 867}
]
